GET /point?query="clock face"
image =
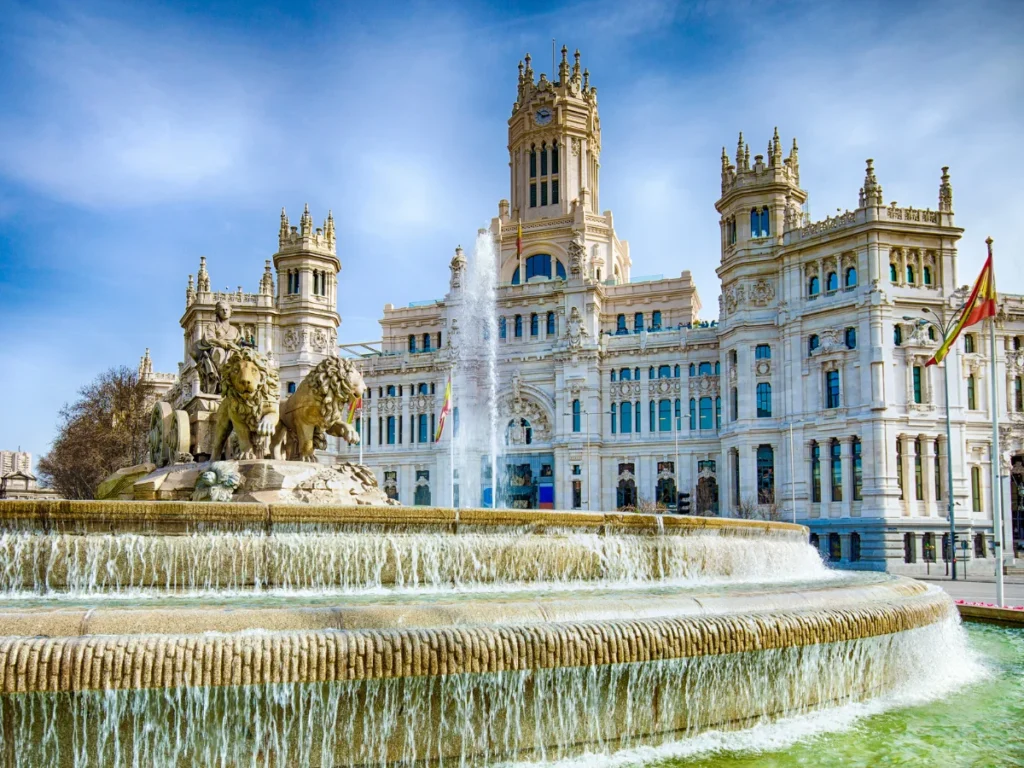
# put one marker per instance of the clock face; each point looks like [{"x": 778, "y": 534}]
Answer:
[{"x": 542, "y": 116}]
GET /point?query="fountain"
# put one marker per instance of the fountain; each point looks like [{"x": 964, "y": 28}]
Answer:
[{"x": 206, "y": 633}]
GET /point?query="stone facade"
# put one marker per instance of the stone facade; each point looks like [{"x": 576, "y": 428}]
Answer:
[{"x": 17, "y": 480}]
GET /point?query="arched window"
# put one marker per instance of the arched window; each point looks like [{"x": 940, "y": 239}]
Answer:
[
  {"x": 835, "y": 547},
  {"x": 910, "y": 274},
  {"x": 391, "y": 390},
  {"x": 851, "y": 338},
  {"x": 766, "y": 228},
  {"x": 664, "y": 415},
  {"x": 650, "y": 373},
  {"x": 894, "y": 275},
  {"x": 422, "y": 389},
  {"x": 706, "y": 417},
  {"x": 677, "y": 419},
  {"x": 931, "y": 332},
  {"x": 502, "y": 328},
  {"x": 626, "y": 374},
  {"x": 764, "y": 400},
  {"x": 664, "y": 372},
  {"x": 854, "y": 547},
  {"x": 813, "y": 286},
  {"x": 836, "y": 467},
  {"x": 813, "y": 343},
  {"x": 765, "y": 474},
  {"x": 969, "y": 343},
  {"x": 755, "y": 223},
  {"x": 831, "y": 282},
  {"x": 815, "y": 473},
  {"x": 576, "y": 411},
  {"x": 291, "y": 387},
  {"x": 533, "y": 162},
  {"x": 519, "y": 326},
  {"x": 638, "y": 322},
  {"x": 620, "y": 325},
  {"x": 554, "y": 158},
  {"x": 926, "y": 273},
  {"x": 544, "y": 159},
  {"x": 613, "y": 375},
  {"x": 972, "y": 400},
  {"x": 651, "y": 420},
  {"x": 656, "y": 320},
  {"x": 550, "y": 327},
  {"x": 733, "y": 220},
  {"x": 676, "y": 372},
  {"x": 850, "y": 280},
  {"x": 534, "y": 324},
  {"x": 763, "y": 352},
  {"x": 693, "y": 369},
  {"x": 693, "y": 414},
  {"x": 421, "y": 428},
  {"x": 704, "y": 369},
  {"x": 897, "y": 335},
  {"x": 412, "y": 342},
  {"x": 718, "y": 368},
  {"x": 426, "y": 342},
  {"x": 625, "y": 418}
]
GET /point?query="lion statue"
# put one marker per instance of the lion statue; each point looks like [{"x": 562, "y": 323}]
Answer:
[
  {"x": 319, "y": 407},
  {"x": 250, "y": 389}
]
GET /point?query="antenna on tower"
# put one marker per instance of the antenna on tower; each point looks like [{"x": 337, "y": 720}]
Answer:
[{"x": 552, "y": 58}]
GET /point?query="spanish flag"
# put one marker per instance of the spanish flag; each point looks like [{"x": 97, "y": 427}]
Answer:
[
  {"x": 446, "y": 408},
  {"x": 353, "y": 406},
  {"x": 980, "y": 305}
]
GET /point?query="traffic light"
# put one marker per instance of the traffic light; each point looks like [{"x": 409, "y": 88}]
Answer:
[{"x": 683, "y": 504}]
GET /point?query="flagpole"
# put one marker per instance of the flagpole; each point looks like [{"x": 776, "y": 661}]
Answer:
[
  {"x": 362, "y": 435},
  {"x": 451, "y": 441},
  {"x": 997, "y": 506}
]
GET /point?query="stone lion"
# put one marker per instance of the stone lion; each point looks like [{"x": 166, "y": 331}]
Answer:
[
  {"x": 250, "y": 390},
  {"x": 319, "y": 407}
]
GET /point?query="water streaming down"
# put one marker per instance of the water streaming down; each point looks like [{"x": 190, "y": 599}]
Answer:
[
  {"x": 111, "y": 565},
  {"x": 468, "y": 719},
  {"x": 476, "y": 373}
]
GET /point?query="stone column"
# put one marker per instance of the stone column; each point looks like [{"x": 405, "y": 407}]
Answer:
[
  {"x": 928, "y": 474},
  {"x": 907, "y": 448},
  {"x": 846, "y": 467}
]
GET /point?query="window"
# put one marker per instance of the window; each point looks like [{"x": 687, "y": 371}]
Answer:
[
  {"x": 835, "y": 547},
  {"x": 291, "y": 387},
  {"x": 764, "y": 400},
  {"x": 813, "y": 286},
  {"x": 693, "y": 414},
  {"x": 836, "y": 466},
  {"x": 910, "y": 274},
  {"x": 850, "y": 280},
  {"x": 854, "y": 547},
  {"x": 426, "y": 342},
  {"x": 755, "y": 222},
  {"x": 813, "y": 343},
  {"x": 626, "y": 374},
  {"x": 704, "y": 369},
  {"x": 969, "y": 343},
  {"x": 625, "y": 418},
  {"x": 815, "y": 472},
  {"x": 613, "y": 375},
  {"x": 765, "y": 474},
  {"x": 577, "y": 494},
  {"x": 615, "y": 412},
  {"x": 620, "y": 325},
  {"x": 554, "y": 157},
  {"x": 533, "y": 195},
  {"x": 539, "y": 265},
  {"x": 918, "y": 477},
  {"x": 677, "y": 422},
  {"x": 832, "y": 389},
  {"x": 762, "y": 352},
  {"x": 664, "y": 372},
  {"x": 899, "y": 467},
  {"x": 433, "y": 427},
  {"x": 1018, "y": 394},
  {"x": 814, "y": 541},
  {"x": 938, "y": 471},
  {"x": 972, "y": 400},
  {"x": 897, "y": 334},
  {"x": 675, "y": 372},
  {"x": 693, "y": 369},
  {"x": 412, "y": 343},
  {"x": 534, "y": 324},
  {"x": 831, "y": 282},
  {"x": 519, "y": 326},
  {"x": 909, "y": 548},
  {"x": 543, "y": 190},
  {"x": 718, "y": 412},
  {"x": 894, "y": 275},
  {"x": 544, "y": 159},
  {"x": 926, "y": 273},
  {"x": 421, "y": 428},
  {"x": 391, "y": 390},
  {"x": 501, "y": 328},
  {"x": 650, "y": 416},
  {"x": 533, "y": 162},
  {"x": 638, "y": 322},
  {"x": 858, "y": 470},
  {"x": 550, "y": 327},
  {"x": 734, "y": 404},
  {"x": 391, "y": 430},
  {"x": 422, "y": 389},
  {"x": 851, "y": 338},
  {"x": 979, "y": 545},
  {"x": 916, "y": 372},
  {"x": 928, "y": 547},
  {"x": 637, "y": 421},
  {"x": 705, "y": 413},
  {"x": 931, "y": 332},
  {"x": 656, "y": 320},
  {"x": 718, "y": 368},
  {"x": 576, "y": 411},
  {"x": 976, "y": 489},
  {"x": 664, "y": 415}
]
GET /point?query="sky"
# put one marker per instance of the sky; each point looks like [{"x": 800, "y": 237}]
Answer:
[{"x": 137, "y": 136}]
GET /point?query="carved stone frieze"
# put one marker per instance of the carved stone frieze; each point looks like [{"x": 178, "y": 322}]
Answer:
[
  {"x": 704, "y": 386},
  {"x": 763, "y": 368},
  {"x": 762, "y": 292},
  {"x": 661, "y": 387}
]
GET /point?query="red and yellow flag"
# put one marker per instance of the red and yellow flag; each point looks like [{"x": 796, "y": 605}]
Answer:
[
  {"x": 981, "y": 304},
  {"x": 446, "y": 408},
  {"x": 353, "y": 406},
  {"x": 519, "y": 238}
]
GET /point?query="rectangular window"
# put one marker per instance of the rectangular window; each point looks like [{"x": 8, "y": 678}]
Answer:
[
  {"x": 976, "y": 489},
  {"x": 614, "y": 412},
  {"x": 972, "y": 399},
  {"x": 533, "y": 164},
  {"x": 918, "y": 477},
  {"x": 544, "y": 161},
  {"x": 832, "y": 389},
  {"x": 391, "y": 430},
  {"x": 693, "y": 414},
  {"x": 577, "y": 494},
  {"x": 762, "y": 352},
  {"x": 543, "y": 193},
  {"x": 576, "y": 410},
  {"x": 815, "y": 473},
  {"x": 899, "y": 466},
  {"x": 650, "y": 421},
  {"x": 734, "y": 404},
  {"x": 764, "y": 400},
  {"x": 718, "y": 413},
  {"x": 422, "y": 428},
  {"x": 858, "y": 470},
  {"x": 705, "y": 413},
  {"x": 938, "y": 472},
  {"x": 533, "y": 195},
  {"x": 837, "y": 470},
  {"x": 664, "y": 415},
  {"x": 917, "y": 383},
  {"x": 554, "y": 191},
  {"x": 1018, "y": 394}
]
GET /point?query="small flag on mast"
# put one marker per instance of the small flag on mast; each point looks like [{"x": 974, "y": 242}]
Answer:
[
  {"x": 353, "y": 406},
  {"x": 980, "y": 305},
  {"x": 445, "y": 409},
  {"x": 519, "y": 238}
]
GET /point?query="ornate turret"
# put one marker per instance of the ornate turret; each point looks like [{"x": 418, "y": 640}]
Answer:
[
  {"x": 145, "y": 366},
  {"x": 945, "y": 192},
  {"x": 329, "y": 231},
  {"x": 304, "y": 237},
  {"x": 190, "y": 291},
  {"x": 267, "y": 281},
  {"x": 770, "y": 168},
  {"x": 282, "y": 235},
  {"x": 871, "y": 192},
  {"x": 203, "y": 279}
]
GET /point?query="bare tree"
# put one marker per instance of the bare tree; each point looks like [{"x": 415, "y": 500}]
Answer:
[
  {"x": 750, "y": 509},
  {"x": 645, "y": 505},
  {"x": 104, "y": 430}
]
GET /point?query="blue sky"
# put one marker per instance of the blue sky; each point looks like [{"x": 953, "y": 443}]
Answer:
[{"x": 135, "y": 137}]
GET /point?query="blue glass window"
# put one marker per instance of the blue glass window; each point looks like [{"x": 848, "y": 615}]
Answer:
[
  {"x": 551, "y": 324},
  {"x": 705, "y": 413},
  {"x": 664, "y": 415},
  {"x": 832, "y": 389},
  {"x": 519, "y": 326},
  {"x": 501, "y": 327},
  {"x": 534, "y": 324},
  {"x": 831, "y": 281},
  {"x": 421, "y": 425},
  {"x": 764, "y": 400},
  {"x": 664, "y": 372},
  {"x": 851, "y": 277},
  {"x": 575, "y": 415},
  {"x": 625, "y": 418},
  {"x": 704, "y": 369},
  {"x": 656, "y": 320},
  {"x": 693, "y": 414},
  {"x": 813, "y": 286},
  {"x": 638, "y": 322}
]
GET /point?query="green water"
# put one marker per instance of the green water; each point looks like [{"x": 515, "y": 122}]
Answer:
[{"x": 981, "y": 724}]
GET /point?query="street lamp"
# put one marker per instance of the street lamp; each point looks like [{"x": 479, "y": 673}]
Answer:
[
  {"x": 792, "y": 467},
  {"x": 944, "y": 330}
]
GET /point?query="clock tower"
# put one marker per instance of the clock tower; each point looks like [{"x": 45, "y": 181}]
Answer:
[{"x": 554, "y": 143}]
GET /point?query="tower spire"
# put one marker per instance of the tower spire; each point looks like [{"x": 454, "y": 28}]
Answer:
[
  {"x": 267, "y": 281},
  {"x": 306, "y": 223},
  {"x": 739, "y": 152},
  {"x": 203, "y": 278},
  {"x": 190, "y": 291},
  {"x": 945, "y": 192},
  {"x": 563, "y": 67}
]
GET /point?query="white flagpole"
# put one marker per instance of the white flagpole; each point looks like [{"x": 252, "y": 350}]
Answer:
[
  {"x": 451, "y": 438},
  {"x": 997, "y": 506},
  {"x": 362, "y": 431}
]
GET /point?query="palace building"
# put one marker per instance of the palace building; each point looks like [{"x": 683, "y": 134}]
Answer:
[{"x": 808, "y": 388}]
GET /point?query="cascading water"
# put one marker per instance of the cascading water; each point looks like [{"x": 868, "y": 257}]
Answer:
[{"x": 476, "y": 372}]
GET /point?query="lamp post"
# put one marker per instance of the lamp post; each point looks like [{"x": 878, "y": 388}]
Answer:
[
  {"x": 944, "y": 329},
  {"x": 792, "y": 468}
]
